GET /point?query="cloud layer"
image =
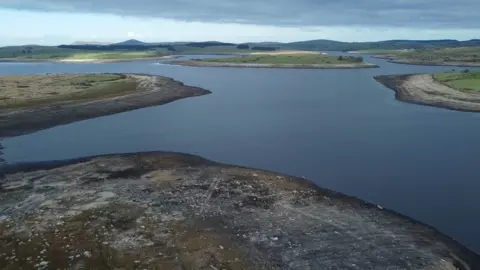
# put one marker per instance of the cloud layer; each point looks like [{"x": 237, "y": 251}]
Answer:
[{"x": 391, "y": 13}]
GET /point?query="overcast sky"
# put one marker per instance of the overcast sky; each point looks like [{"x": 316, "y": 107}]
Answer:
[{"x": 65, "y": 21}]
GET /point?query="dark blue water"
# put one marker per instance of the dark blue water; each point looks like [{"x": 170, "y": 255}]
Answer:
[{"x": 339, "y": 128}]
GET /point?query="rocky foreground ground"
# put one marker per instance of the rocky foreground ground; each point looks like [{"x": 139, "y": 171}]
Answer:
[
  {"x": 173, "y": 211},
  {"x": 423, "y": 89}
]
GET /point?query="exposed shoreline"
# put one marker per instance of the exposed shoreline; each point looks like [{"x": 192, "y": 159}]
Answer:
[
  {"x": 23, "y": 60},
  {"x": 154, "y": 90},
  {"x": 176, "y": 209},
  {"x": 288, "y": 66},
  {"x": 423, "y": 89}
]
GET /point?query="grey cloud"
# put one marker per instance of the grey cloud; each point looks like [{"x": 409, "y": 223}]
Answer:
[{"x": 386, "y": 13}]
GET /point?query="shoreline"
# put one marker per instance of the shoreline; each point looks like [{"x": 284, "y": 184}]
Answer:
[
  {"x": 192, "y": 63},
  {"x": 17, "y": 60},
  {"x": 154, "y": 90},
  {"x": 422, "y": 89},
  {"x": 228, "y": 207}
]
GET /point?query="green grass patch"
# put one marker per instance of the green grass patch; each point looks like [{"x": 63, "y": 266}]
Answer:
[
  {"x": 438, "y": 56},
  {"x": 294, "y": 59},
  {"x": 464, "y": 81},
  {"x": 70, "y": 90}
]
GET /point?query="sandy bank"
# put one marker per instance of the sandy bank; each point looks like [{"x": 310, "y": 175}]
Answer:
[
  {"x": 287, "y": 52},
  {"x": 423, "y": 89},
  {"x": 291, "y": 66},
  {"x": 173, "y": 211},
  {"x": 150, "y": 91}
]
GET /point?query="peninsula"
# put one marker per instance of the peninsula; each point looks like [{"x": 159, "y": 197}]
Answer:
[
  {"x": 281, "y": 59},
  {"x": 174, "y": 211},
  {"x": 451, "y": 90},
  {"x": 29, "y": 103},
  {"x": 459, "y": 56}
]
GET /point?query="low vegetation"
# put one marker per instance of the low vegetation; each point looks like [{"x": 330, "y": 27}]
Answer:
[
  {"x": 464, "y": 81},
  {"x": 466, "y": 55},
  {"x": 25, "y": 91},
  {"x": 286, "y": 58},
  {"x": 27, "y": 53}
]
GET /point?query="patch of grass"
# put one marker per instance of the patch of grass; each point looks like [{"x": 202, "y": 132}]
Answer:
[
  {"x": 464, "y": 81},
  {"x": 41, "y": 90},
  {"x": 459, "y": 54},
  {"x": 296, "y": 59},
  {"x": 33, "y": 52},
  {"x": 114, "y": 55}
]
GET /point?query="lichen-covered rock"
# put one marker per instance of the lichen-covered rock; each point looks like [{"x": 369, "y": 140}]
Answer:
[{"x": 174, "y": 211}]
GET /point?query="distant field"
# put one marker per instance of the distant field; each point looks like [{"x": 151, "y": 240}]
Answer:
[
  {"x": 465, "y": 81},
  {"x": 55, "y": 53},
  {"x": 25, "y": 91},
  {"x": 468, "y": 55},
  {"x": 294, "y": 59}
]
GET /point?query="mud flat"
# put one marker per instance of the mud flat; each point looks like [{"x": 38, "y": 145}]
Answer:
[
  {"x": 173, "y": 211},
  {"x": 424, "y": 89},
  {"x": 253, "y": 65},
  {"x": 34, "y": 102}
]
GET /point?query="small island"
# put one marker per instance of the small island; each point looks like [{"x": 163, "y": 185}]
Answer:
[
  {"x": 29, "y": 103},
  {"x": 282, "y": 59},
  {"x": 451, "y": 90},
  {"x": 160, "y": 210}
]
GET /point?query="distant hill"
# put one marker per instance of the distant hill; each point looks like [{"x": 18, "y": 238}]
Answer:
[
  {"x": 131, "y": 42},
  {"x": 331, "y": 45}
]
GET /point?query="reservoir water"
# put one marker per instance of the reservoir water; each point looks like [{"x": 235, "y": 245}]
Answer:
[{"x": 339, "y": 128}]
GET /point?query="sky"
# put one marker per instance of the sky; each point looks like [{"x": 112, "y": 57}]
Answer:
[{"x": 53, "y": 22}]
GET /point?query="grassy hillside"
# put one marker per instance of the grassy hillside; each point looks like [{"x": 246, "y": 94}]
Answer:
[
  {"x": 330, "y": 45},
  {"x": 464, "y": 81}
]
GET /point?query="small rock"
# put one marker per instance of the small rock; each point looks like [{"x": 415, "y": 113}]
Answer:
[
  {"x": 137, "y": 262},
  {"x": 221, "y": 247},
  {"x": 274, "y": 238},
  {"x": 87, "y": 254},
  {"x": 142, "y": 227},
  {"x": 43, "y": 263},
  {"x": 105, "y": 243}
]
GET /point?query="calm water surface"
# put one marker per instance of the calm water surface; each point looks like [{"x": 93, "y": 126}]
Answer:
[{"x": 339, "y": 128}]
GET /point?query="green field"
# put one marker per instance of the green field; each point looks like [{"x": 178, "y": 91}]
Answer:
[
  {"x": 293, "y": 59},
  {"x": 55, "y": 53},
  {"x": 434, "y": 56},
  {"x": 464, "y": 81}
]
